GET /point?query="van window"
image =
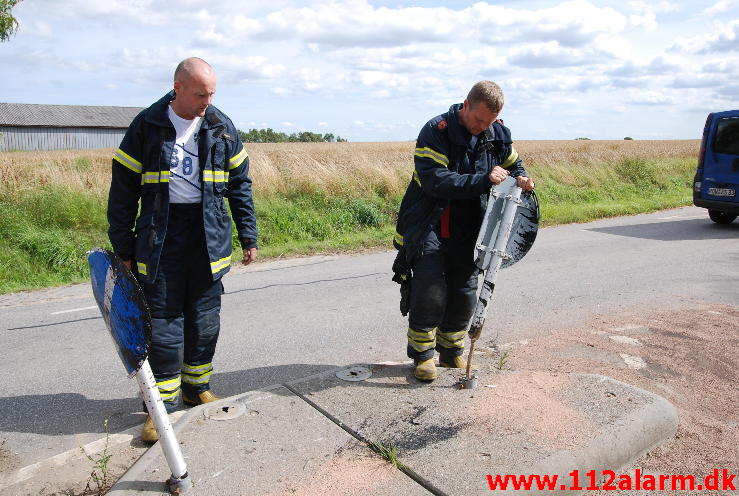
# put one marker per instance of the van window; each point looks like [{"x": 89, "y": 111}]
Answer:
[{"x": 727, "y": 136}]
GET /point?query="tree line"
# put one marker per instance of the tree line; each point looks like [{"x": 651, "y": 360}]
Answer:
[{"x": 269, "y": 135}]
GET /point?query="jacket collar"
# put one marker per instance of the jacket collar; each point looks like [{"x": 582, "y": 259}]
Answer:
[
  {"x": 457, "y": 133},
  {"x": 157, "y": 114}
]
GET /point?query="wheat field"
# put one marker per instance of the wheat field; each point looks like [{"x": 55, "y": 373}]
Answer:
[
  {"x": 336, "y": 168},
  {"x": 318, "y": 197}
]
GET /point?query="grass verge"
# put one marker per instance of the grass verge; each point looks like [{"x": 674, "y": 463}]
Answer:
[{"x": 52, "y": 205}]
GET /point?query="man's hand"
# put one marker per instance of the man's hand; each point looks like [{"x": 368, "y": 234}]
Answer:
[
  {"x": 525, "y": 183},
  {"x": 128, "y": 263},
  {"x": 250, "y": 254},
  {"x": 498, "y": 175}
]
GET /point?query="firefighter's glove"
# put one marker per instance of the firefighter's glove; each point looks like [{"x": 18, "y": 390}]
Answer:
[{"x": 402, "y": 275}]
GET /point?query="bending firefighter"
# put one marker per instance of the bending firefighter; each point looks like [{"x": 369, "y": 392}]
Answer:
[
  {"x": 177, "y": 162},
  {"x": 459, "y": 156}
]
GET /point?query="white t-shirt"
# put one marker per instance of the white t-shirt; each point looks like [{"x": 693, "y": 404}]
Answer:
[{"x": 184, "y": 168}]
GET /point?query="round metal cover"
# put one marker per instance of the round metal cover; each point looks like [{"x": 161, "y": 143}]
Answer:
[
  {"x": 354, "y": 374},
  {"x": 523, "y": 231},
  {"x": 227, "y": 411}
]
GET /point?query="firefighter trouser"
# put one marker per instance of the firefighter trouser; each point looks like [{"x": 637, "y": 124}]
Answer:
[
  {"x": 185, "y": 304},
  {"x": 443, "y": 297}
]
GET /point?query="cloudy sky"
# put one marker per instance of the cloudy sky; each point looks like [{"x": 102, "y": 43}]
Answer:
[{"x": 376, "y": 70}]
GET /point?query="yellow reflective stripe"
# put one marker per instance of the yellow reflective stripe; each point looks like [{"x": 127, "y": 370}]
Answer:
[
  {"x": 237, "y": 159},
  {"x": 168, "y": 382},
  {"x": 211, "y": 176},
  {"x": 437, "y": 157},
  {"x": 201, "y": 379},
  {"x": 451, "y": 335},
  {"x": 398, "y": 238},
  {"x": 221, "y": 264},
  {"x": 511, "y": 159},
  {"x": 169, "y": 396},
  {"x": 196, "y": 374},
  {"x": 451, "y": 340},
  {"x": 141, "y": 266},
  {"x": 170, "y": 388},
  {"x": 421, "y": 346},
  {"x": 421, "y": 340},
  {"x": 416, "y": 178},
  {"x": 155, "y": 177},
  {"x": 127, "y": 161},
  {"x": 420, "y": 335},
  {"x": 194, "y": 369}
]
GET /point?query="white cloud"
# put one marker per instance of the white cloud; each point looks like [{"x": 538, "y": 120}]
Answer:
[
  {"x": 700, "y": 81},
  {"x": 729, "y": 65},
  {"x": 649, "y": 97},
  {"x": 552, "y": 55},
  {"x": 211, "y": 37},
  {"x": 556, "y": 23},
  {"x": 725, "y": 39},
  {"x": 342, "y": 60},
  {"x": 646, "y": 13},
  {"x": 645, "y": 7},
  {"x": 721, "y": 6},
  {"x": 310, "y": 79},
  {"x": 243, "y": 68},
  {"x": 357, "y": 23}
]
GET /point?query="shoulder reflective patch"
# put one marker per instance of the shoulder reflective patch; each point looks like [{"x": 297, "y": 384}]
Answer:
[
  {"x": 511, "y": 159},
  {"x": 127, "y": 161},
  {"x": 437, "y": 157},
  {"x": 237, "y": 159}
]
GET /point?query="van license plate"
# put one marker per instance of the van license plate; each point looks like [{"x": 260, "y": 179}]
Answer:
[{"x": 721, "y": 192}]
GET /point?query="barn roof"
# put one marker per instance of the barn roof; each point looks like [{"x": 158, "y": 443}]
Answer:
[{"x": 41, "y": 115}]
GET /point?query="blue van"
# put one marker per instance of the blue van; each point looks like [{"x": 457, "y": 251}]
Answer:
[{"x": 717, "y": 179}]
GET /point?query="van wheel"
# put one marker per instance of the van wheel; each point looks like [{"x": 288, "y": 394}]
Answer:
[{"x": 720, "y": 217}]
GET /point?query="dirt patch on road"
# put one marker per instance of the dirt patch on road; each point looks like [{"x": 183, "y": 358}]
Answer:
[
  {"x": 690, "y": 357},
  {"x": 8, "y": 460},
  {"x": 528, "y": 394},
  {"x": 347, "y": 475}
]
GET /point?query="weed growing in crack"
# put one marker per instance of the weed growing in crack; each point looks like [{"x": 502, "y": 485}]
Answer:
[
  {"x": 502, "y": 363},
  {"x": 100, "y": 469},
  {"x": 386, "y": 450}
]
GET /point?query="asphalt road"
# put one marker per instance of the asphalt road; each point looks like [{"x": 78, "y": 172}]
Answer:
[{"x": 287, "y": 319}]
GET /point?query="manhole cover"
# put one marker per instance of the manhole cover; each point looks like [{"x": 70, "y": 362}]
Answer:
[
  {"x": 225, "y": 412},
  {"x": 354, "y": 374}
]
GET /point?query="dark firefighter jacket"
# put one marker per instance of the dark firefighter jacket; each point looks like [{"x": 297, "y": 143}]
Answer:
[
  {"x": 441, "y": 162},
  {"x": 141, "y": 172}
]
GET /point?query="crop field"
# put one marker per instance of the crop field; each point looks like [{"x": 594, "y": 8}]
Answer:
[{"x": 318, "y": 197}]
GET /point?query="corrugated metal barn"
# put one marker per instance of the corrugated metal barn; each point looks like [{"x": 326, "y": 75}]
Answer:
[{"x": 29, "y": 126}]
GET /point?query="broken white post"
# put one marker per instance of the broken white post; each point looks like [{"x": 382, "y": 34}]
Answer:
[{"x": 180, "y": 480}]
